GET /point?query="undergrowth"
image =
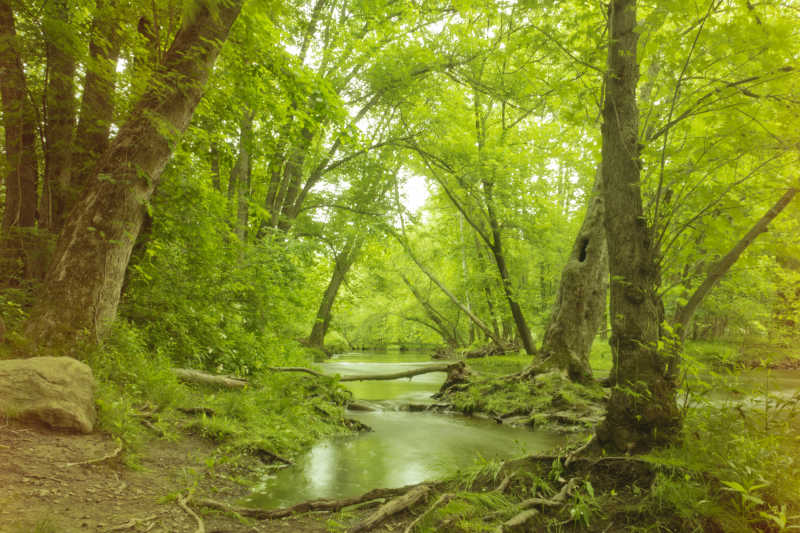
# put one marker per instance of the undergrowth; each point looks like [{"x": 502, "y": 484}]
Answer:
[{"x": 276, "y": 416}]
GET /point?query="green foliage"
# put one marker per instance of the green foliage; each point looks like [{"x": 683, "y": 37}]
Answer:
[{"x": 207, "y": 301}]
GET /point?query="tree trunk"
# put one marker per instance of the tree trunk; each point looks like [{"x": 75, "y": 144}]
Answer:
[
  {"x": 580, "y": 306},
  {"x": 82, "y": 288},
  {"x": 21, "y": 180},
  {"x": 59, "y": 120},
  {"x": 521, "y": 325},
  {"x": 342, "y": 263},
  {"x": 642, "y": 411},
  {"x": 683, "y": 315},
  {"x": 97, "y": 102}
]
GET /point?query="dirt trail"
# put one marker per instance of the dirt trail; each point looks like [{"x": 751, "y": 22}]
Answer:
[{"x": 43, "y": 491}]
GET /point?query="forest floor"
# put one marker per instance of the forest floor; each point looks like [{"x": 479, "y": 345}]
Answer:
[{"x": 49, "y": 484}]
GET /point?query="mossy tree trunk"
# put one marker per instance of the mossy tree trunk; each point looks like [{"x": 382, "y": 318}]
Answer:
[
  {"x": 642, "y": 411},
  {"x": 580, "y": 306},
  {"x": 82, "y": 287}
]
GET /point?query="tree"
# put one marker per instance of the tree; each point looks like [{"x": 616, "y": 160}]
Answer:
[
  {"x": 581, "y": 302},
  {"x": 642, "y": 411},
  {"x": 82, "y": 287}
]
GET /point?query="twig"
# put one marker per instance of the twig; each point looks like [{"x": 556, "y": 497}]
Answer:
[
  {"x": 201, "y": 527},
  {"x": 93, "y": 461}
]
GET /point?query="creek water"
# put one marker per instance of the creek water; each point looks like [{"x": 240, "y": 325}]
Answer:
[{"x": 403, "y": 448}]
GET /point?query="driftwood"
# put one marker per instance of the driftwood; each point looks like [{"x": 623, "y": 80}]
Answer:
[
  {"x": 393, "y": 507},
  {"x": 304, "y": 507}
]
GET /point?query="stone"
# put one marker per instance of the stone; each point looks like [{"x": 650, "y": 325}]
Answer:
[{"x": 58, "y": 391}]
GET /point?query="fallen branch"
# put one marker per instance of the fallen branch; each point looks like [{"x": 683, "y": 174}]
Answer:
[
  {"x": 93, "y": 461},
  {"x": 195, "y": 376},
  {"x": 304, "y": 507},
  {"x": 201, "y": 527},
  {"x": 296, "y": 369},
  {"x": 392, "y": 507},
  {"x": 445, "y": 367}
]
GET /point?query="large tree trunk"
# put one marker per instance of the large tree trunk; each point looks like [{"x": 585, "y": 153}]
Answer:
[
  {"x": 684, "y": 314},
  {"x": 580, "y": 307},
  {"x": 82, "y": 287},
  {"x": 642, "y": 410},
  {"x": 341, "y": 265},
  {"x": 21, "y": 180}
]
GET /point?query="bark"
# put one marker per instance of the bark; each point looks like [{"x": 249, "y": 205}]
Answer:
[
  {"x": 341, "y": 265},
  {"x": 683, "y": 315},
  {"x": 21, "y": 179},
  {"x": 642, "y": 411},
  {"x": 580, "y": 305},
  {"x": 81, "y": 291},
  {"x": 59, "y": 118},
  {"x": 97, "y": 102},
  {"x": 293, "y": 178}
]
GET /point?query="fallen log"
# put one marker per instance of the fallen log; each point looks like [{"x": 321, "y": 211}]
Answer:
[
  {"x": 445, "y": 367},
  {"x": 195, "y": 376}
]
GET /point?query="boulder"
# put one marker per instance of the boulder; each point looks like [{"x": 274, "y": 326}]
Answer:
[{"x": 58, "y": 391}]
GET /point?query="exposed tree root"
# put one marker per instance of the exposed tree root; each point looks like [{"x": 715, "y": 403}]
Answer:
[
  {"x": 393, "y": 507},
  {"x": 311, "y": 505},
  {"x": 93, "y": 461},
  {"x": 133, "y": 522},
  {"x": 201, "y": 526},
  {"x": 442, "y": 500},
  {"x": 519, "y": 522}
]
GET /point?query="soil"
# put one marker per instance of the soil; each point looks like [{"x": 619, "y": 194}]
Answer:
[{"x": 43, "y": 490}]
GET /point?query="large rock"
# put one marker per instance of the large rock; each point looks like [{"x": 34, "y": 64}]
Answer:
[{"x": 58, "y": 391}]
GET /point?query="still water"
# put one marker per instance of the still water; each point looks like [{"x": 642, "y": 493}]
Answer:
[{"x": 404, "y": 447}]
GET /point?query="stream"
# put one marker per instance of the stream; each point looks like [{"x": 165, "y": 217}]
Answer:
[
  {"x": 403, "y": 448},
  {"x": 411, "y": 447}
]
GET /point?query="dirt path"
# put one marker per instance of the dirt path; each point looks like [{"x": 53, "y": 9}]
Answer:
[{"x": 42, "y": 490}]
